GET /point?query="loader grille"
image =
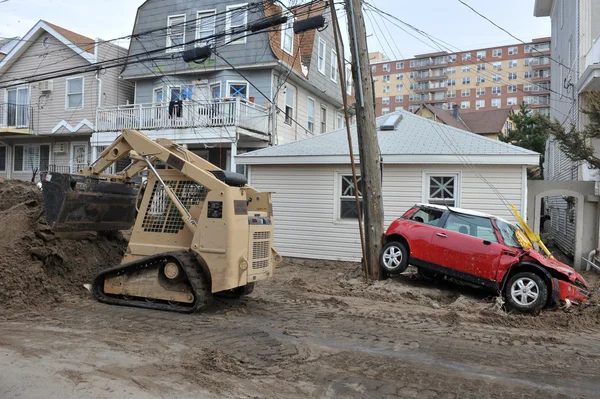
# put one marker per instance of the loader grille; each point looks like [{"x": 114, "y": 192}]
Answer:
[
  {"x": 261, "y": 249},
  {"x": 161, "y": 214}
]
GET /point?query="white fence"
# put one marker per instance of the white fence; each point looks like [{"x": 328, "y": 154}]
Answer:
[{"x": 185, "y": 114}]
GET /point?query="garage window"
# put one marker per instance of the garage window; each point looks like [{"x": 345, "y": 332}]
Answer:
[
  {"x": 442, "y": 189},
  {"x": 347, "y": 197}
]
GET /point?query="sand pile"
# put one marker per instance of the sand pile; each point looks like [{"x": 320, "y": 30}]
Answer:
[{"x": 38, "y": 267}]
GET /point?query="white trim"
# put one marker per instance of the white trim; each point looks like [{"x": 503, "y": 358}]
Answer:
[
  {"x": 72, "y": 129},
  {"x": 210, "y": 86},
  {"x": 228, "y": 10},
  {"x": 321, "y": 40},
  {"x": 524, "y": 192},
  {"x": 309, "y": 98},
  {"x": 284, "y": 29},
  {"x": 29, "y": 38},
  {"x": 323, "y": 107},
  {"x": 521, "y": 159},
  {"x": 154, "y": 90},
  {"x": 334, "y": 64},
  {"x": 337, "y": 194},
  {"x": 72, "y": 153},
  {"x": 135, "y": 92},
  {"x": 169, "y": 43},
  {"x": 50, "y": 155},
  {"x": 425, "y": 173},
  {"x": 67, "y": 92},
  {"x": 205, "y": 13},
  {"x": 229, "y": 82}
]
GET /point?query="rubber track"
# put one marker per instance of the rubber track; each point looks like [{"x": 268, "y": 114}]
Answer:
[{"x": 191, "y": 268}]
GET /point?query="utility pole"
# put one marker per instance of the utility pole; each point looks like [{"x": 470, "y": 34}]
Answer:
[{"x": 368, "y": 145}]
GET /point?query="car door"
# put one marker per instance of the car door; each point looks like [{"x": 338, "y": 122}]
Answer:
[
  {"x": 419, "y": 229},
  {"x": 468, "y": 245}
]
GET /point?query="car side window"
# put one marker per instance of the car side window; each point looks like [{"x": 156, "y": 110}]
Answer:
[
  {"x": 428, "y": 216},
  {"x": 471, "y": 225}
]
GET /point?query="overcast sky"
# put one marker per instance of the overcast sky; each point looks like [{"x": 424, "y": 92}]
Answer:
[{"x": 448, "y": 20}]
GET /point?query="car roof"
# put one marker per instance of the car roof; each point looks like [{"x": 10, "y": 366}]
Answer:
[{"x": 463, "y": 211}]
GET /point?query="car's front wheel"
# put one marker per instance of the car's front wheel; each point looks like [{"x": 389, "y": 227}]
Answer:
[
  {"x": 526, "y": 292},
  {"x": 394, "y": 257}
]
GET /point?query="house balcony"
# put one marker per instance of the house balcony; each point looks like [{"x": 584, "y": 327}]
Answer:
[
  {"x": 541, "y": 65},
  {"x": 431, "y": 87},
  {"x": 590, "y": 78},
  {"x": 441, "y": 76},
  {"x": 16, "y": 119},
  {"x": 190, "y": 115},
  {"x": 540, "y": 77}
]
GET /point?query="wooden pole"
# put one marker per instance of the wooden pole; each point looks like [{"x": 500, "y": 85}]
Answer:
[
  {"x": 368, "y": 145},
  {"x": 342, "y": 76}
]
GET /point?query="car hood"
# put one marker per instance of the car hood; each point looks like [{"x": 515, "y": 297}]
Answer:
[{"x": 556, "y": 265}]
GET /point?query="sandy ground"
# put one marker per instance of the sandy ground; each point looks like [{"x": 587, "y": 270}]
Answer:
[{"x": 315, "y": 330}]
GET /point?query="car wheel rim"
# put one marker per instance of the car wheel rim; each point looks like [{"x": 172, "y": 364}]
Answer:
[
  {"x": 392, "y": 258},
  {"x": 524, "y": 291}
]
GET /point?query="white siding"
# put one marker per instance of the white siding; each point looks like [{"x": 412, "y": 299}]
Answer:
[{"x": 305, "y": 202}]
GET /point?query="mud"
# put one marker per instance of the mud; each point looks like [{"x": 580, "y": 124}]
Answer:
[{"x": 39, "y": 268}]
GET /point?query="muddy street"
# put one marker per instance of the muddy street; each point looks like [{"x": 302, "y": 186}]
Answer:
[{"x": 315, "y": 330}]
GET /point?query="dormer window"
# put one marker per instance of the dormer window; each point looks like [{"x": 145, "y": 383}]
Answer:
[{"x": 287, "y": 36}]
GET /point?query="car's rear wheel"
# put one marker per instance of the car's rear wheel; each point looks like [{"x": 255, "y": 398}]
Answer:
[
  {"x": 425, "y": 274},
  {"x": 394, "y": 257},
  {"x": 526, "y": 292}
]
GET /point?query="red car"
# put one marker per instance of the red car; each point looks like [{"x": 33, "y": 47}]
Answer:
[{"x": 479, "y": 249}]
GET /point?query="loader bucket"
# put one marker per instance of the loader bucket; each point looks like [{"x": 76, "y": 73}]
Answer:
[{"x": 78, "y": 203}]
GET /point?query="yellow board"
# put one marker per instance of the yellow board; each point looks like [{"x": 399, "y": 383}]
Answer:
[{"x": 529, "y": 233}]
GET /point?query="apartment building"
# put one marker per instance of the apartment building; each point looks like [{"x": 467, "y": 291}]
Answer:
[
  {"x": 255, "y": 90},
  {"x": 482, "y": 79}
]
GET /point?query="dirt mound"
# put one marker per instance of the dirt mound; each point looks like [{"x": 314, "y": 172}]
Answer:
[{"x": 37, "y": 266}]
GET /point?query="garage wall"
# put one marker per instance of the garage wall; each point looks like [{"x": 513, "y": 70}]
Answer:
[{"x": 306, "y": 202}]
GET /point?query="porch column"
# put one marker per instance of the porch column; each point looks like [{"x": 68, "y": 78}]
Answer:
[{"x": 233, "y": 153}]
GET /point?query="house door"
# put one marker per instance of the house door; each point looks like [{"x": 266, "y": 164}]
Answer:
[
  {"x": 158, "y": 102},
  {"x": 78, "y": 156},
  {"x": 17, "y": 111}
]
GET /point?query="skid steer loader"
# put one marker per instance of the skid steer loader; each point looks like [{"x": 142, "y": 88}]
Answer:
[{"x": 197, "y": 230}]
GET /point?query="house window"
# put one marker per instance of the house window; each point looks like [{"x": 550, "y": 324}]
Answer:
[
  {"x": 215, "y": 90},
  {"x": 373, "y": 69},
  {"x": 386, "y": 67},
  {"x": 311, "y": 114},
  {"x": 480, "y": 91},
  {"x": 236, "y": 19},
  {"x": 465, "y": 105},
  {"x": 497, "y": 66},
  {"x": 512, "y": 75},
  {"x": 321, "y": 56},
  {"x": 323, "y": 119},
  {"x": 400, "y": 65},
  {"x": 399, "y": 99},
  {"x": 385, "y": 111},
  {"x": 511, "y": 101},
  {"x": 497, "y": 90},
  {"x": 386, "y": 89},
  {"x": 512, "y": 88},
  {"x": 399, "y": 87},
  {"x": 513, "y": 63},
  {"x": 205, "y": 28},
  {"x": 31, "y": 157},
  {"x": 399, "y": 76},
  {"x": 452, "y": 58},
  {"x": 287, "y": 36},
  {"x": 74, "y": 93},
  {"x": 2, "y": 159},
  {"x": 450, "y": 71},
  {"x": 237, "y": 89},
  {"x": 528, "y": 74},
  {"x": 465, "y": 92},
  {"x": 442, "y": 189},
  {"x": 480, "y": 67},
  {"x": 385, "y": 100},
  {"x": 480, "y": 79},
  {"x": 334, "y": 66},
  {"x": 480, "y": 55},
  {"x": 413, "y": 108},
  {"x": 466, "y": 57},
  {"x": 466, "y": 68},
  {"x": 175, "y": 33},
  {"x": 479, "y": 104},
  {"x": 496, "y": 78},
  {"x": 451, "y": 94},
  {"x": 513, "y": 50},
  {"x": 17, "y": 108},
  {"x": 340, "y": 121},
  {"x": 413, "y": 63},
  {"x": 289, "y": 104},
  {"x": 466, "y": 81},
  {"x": 451, "y": 82},
  {"x": 348, "y": 193},
  {"x": 385, "y": 78},
  {"x": 496, "y": 102},
  {"x": 497, "y": 53},
  {"x": 527, "y": 87}
]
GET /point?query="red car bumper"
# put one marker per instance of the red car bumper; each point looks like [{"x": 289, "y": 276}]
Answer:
[{"x": 567, "y": 292}]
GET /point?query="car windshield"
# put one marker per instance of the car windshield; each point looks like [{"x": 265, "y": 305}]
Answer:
[{"x": 509, "y": 233}]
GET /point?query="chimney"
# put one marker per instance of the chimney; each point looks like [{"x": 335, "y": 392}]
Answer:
[{"x": 455, "y": 113}]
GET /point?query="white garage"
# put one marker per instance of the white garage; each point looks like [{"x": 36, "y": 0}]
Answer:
[{"x": 422, "y": 162}]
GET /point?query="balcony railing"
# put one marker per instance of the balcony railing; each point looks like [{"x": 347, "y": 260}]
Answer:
[
  {"x": 593, "y": 55},
  {"x": 15, "y": 116},
  {"x": 187, "y": 114}
]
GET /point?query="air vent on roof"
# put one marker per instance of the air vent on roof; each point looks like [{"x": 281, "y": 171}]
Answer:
[{"x": 391, "y": 122}]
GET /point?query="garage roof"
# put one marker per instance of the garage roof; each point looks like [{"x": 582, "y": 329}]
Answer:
[{"x": 415, "y": 140}]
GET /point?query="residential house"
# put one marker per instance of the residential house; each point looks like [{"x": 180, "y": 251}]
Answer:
[
  {"x": 493, "y": 123},
  {"x": 422, "y": 162},
  {"x": 575, "y": 69},
  {"x": 476, "y": 80},
  {"x": 46, "y": 121},
  {"x": 222, "y": 106}
]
